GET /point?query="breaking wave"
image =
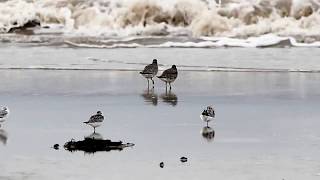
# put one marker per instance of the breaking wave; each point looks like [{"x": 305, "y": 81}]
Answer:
[{"x": 181, "y": 23}]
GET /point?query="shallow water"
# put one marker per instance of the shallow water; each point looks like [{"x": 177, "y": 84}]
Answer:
[
  {"x": 22, "y": 56},
  {"x": 265, "y": 127}
]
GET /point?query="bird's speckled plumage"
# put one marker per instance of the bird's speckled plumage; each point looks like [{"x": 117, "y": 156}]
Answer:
[
  {"x": 150, "y": 70},
  {"x": 169, "y": 75}
]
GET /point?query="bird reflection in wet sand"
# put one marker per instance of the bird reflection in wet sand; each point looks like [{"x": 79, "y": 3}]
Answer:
[
  {"x": 150, "y": 97},
  {"x": 170, "y": 98},
  {"x": 94, "y": 135},
  {"x": 207, "y": 133},
  {"x": 3, "y": 136}
]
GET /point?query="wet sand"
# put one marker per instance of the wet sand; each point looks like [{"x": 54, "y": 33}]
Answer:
[{"x": 266, "y": 125}]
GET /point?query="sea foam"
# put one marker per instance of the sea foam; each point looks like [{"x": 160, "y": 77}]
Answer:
[{"x": 236, "y": 19}]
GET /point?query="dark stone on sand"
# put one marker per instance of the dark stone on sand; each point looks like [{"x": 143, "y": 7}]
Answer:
[
  {"x": 91, "y": 145},
  {"x": 161, "y": 164},
  {"x": 56, "y": 146},
  {"x": 183, "y": 159}
]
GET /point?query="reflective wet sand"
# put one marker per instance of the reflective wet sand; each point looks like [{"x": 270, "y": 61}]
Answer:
[{"x": 266, "y": 125}]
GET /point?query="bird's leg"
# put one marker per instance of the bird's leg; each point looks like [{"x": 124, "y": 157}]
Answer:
[
  {"x": 207, "y": 123},
  {"x": 166, "y": 87},
  {"x": 94, "y": 129},
  {"x": 152, "y": 83},
  {"x": 170, "y": 86},
  {"x": 148, "y": 82}
]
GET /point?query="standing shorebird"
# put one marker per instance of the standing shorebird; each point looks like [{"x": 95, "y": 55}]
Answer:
[
  {"x": 95, "y": 120},
  {"x": 150, "y": 71},
  {"x": 169, "y": 75},
  {"x": 207, "y": 115},
  {"x": 4, "y": 112}
]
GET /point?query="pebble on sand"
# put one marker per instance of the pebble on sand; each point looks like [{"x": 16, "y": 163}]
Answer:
[
  {"x": 161, "y": 164},
  {"x": 56, "y": 146},
  {"x": 183, "y": 159}
]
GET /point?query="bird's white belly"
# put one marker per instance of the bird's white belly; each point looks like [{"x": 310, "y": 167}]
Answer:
[
  {"x": 168, "y": 80},
  {"x": 206, "y": 118},
  {"x": 95, "y": 124},
  {"x": 148, "y": 75}
]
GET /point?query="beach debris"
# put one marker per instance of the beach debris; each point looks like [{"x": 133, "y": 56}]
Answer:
[
  {"x": 95, "y": 120},
  {"x": 92, "y": 145},
  {"x": 22, "y": 28},
  {"x": 207, "y": 114},
  {"x": 183, "y": 159},
  {"x": 161, "y": 164},
  {"x": 56, "y": 146},
  {"x": 207, "y": 133},
  {"x": 150, "y": 71},
  {"x": 169, "y": 75}
]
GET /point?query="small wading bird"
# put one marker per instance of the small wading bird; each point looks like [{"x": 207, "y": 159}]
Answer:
[
  {"x": 150, "y": 71},
  {"x": 95, "y": 120},
  {"x": 4, "y": 112},
  {"x": 169, "y": 75},
  {"x": 207, "y": 115}
]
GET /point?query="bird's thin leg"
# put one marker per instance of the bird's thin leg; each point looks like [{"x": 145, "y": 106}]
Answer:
[
  {"x": 94, "y": 129},
  {"x": 170, "y": 86},
  {"x": 166, "y": 87},
  {"x": 152, "y": 83},
  {"x": 207, "y": 123},
  {"x": 148, "y": 82}
]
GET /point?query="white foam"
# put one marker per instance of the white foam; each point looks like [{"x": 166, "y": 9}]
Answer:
[
  {"x": 237, "y": 18},
  {"x": 120, "y": 45}
]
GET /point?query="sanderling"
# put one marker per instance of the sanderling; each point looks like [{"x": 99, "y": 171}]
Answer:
[
  {"x": 95, "y": 120},
  {"x": 169, "y": 75},
  {"x": 4, "y": 112},
  {"x": 150, "y": 71},
  {"x": 207, "y": 115}
]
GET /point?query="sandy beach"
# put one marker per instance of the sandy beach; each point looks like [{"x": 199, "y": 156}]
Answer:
[
  {"x": 265, "y": 126},
  {"x": 256, "y": 62}
]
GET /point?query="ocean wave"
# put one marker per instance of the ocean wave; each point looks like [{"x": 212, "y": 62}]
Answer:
[
  {"x": 236, "y": 19},
  {"x": 264, "y": 41}
]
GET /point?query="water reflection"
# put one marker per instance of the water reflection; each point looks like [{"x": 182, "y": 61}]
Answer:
[
  {"x": 94, "y": 135},
  {"x": 207, "y": 133},
  {"x": 170, "y": 98},
  {"x": 95, "y": 143},
  {"x": 150, "y": 96},
  {"x": 3, "y": 136}
]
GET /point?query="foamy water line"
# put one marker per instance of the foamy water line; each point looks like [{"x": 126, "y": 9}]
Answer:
[{"x": 200, "y": 19}]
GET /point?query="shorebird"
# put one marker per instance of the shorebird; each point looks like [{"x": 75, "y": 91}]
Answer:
[
  {"x": 150, "y": 71},
  {"x": 4, "y": 112},
  {"x": 169, "y": 75},
  {"x": 207, "y": 115},
  {"x": 95, "y": 120}
]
